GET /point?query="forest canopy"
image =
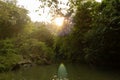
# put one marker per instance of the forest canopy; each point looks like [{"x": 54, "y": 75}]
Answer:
[{"x": 89, "y": 34}]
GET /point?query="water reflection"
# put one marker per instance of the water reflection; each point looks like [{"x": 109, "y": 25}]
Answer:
[
  {"x": 61, "y": 74},
  {"x": 47, "y": 72}
]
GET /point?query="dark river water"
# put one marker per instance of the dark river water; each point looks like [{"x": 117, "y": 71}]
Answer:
[{"x": 75, "y": 72}]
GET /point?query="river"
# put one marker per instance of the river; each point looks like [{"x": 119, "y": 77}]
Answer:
[{"x": 75, "y": 72}]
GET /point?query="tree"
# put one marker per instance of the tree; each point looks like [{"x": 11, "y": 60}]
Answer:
[
  {"x": 73, "y": 44},
  {"x": 104, "y": 38},
  {"x": 42, "y": 34},
  {"x": 12, "y": 20},
  {"x": 9, "y": 56}
]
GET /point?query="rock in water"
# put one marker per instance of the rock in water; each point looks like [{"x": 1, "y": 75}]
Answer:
[{"x": 62, "y": 72}]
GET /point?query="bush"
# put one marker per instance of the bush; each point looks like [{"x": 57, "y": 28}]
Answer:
[
  {"x": 36, "y": 51},
  {"x": 8, "y": 55}
]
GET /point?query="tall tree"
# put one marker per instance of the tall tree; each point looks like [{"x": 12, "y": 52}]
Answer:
[
  {"x": 12, "y": 19},
  {"x": 73, "y": 44},
  {"x": 104, "y": 40}
]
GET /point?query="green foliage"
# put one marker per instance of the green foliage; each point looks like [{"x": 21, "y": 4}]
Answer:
[
  {"x": 22, "y": 40},
  {"x": 12, "y": 20},
  {"x": 103, "y": 39},
  {"x": 73, "y": 44},
  {"x": 41, "y": 33},
  {"x": 8, "y": 55},
  {"x": 95, "y": 35},
  {"x": 36, "y": 45},
  {"x": 36, "y": 51}
]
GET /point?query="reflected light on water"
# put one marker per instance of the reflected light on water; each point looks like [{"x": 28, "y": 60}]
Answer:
[{"x": 62, "y": 73}]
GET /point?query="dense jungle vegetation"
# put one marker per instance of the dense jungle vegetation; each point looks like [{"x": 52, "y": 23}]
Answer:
[{"x": 91, "y": 35}]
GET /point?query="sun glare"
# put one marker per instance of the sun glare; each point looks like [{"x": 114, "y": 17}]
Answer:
[
  {"x": 59, "y": 21},
  {"x": 45, "y": 15},
  {"x": 98, "y": 0}
]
